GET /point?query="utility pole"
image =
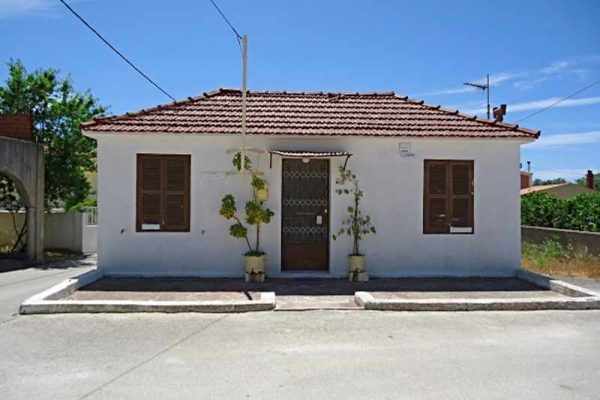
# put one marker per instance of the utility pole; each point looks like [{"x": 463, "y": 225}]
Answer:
[
  {"x": 486, "y": 88},
  {"x": 244, "y": 41}
]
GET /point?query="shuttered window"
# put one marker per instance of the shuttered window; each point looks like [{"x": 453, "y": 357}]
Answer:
[
  {"x": 448, "y": 197},
  {"x": 163, "y": 193}
]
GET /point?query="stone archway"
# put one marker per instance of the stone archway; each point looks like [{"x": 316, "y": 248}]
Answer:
[{"x": 23, "y": 162}]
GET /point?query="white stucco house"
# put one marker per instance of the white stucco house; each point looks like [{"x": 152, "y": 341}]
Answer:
[{"x": 441, "y": 187}]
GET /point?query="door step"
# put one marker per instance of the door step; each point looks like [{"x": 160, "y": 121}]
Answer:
[{"x": 306, "y": 303}]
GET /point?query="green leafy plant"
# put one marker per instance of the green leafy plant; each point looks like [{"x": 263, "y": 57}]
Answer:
[
  {"x": 57, "y": 110},
  {"x": 12, "y": 202},
  {"x": 81, "y": 206},
  {"x": 581, "y": 212},
  {"x": 356, "y": 224},
  {"x": 256, "y": 214},
  {"x": 10, "y": 199}
]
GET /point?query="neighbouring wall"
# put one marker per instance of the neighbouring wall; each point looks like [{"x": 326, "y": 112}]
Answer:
[
  {"x": 89, "y": 238},
  {"x": 65, "y": 231},
  {"x": 393, "y": 188},
  {"x": 587, "y": 242},
  {"x": 23, "y": 162}
]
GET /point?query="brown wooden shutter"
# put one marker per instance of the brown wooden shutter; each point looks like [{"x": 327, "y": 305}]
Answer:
[
  {"x": 436, "y": 197},
  {"x": 163, "y": 192},
  {"x": 176, "y": 195},
  {"x": 149, "y": 193},
  {"x": 461, "y": 206}
]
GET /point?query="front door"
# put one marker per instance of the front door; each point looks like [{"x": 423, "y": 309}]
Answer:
[{"x": 305, "y": 215}]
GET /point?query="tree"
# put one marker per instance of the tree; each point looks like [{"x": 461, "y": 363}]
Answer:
[
  {"x": 57, "y": 110},
  {"x": 556, "y": 181}
]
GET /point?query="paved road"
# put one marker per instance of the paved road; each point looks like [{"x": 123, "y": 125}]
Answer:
[
  {"x": 294, "y": 355},
  {"x": 16, "y": 286}
]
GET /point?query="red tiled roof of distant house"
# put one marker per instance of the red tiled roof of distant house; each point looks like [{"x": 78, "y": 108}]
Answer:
[
  {"x": 307, "y": 114},
  {"x": 18, "y": 126}
]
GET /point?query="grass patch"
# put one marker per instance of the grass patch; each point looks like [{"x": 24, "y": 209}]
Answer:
[{"x": 553, "y": 258}]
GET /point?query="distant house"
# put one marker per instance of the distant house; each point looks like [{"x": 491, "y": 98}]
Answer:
[
  {"x": 439, "y": 185},
  {"x": 560, "y": 190},
  {"x": 526, "y": 179}
]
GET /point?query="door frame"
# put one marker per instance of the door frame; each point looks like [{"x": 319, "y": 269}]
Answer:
[{"x": 282, "y": 268}]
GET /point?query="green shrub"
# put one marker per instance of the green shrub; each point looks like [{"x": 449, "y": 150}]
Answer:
[{"x": 581, "y": 213}]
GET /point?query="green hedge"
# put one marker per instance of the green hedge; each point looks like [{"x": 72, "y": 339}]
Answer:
[{"x": 581, "y": 213}]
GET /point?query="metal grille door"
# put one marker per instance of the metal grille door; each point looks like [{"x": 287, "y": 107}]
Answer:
[{"x": 305, "y": 216}]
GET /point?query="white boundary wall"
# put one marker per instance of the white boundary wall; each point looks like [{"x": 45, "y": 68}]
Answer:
[
  {"x": 70, "y": 231},
  {"x": 66, "y": 231}
]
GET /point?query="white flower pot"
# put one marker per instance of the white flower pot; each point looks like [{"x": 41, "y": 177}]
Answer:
[
  {"x": 357, "y": 271},
  {"x": 255, "y": 268}
]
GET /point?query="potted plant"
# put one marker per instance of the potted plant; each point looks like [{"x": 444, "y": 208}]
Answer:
[
  {"x": 356, "y": 224},
  {"x": 256, "y": 215}
]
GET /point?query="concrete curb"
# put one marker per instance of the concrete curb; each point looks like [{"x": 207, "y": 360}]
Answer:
[
  {"x": 49, "y": 302},
  {"x": 482, "y": 304},
  {"x": 582, "y": 299},
  {"x": 556, "y": 285}
]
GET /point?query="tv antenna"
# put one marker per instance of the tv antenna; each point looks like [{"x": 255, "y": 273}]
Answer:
[{"x": 485, "y": 88}]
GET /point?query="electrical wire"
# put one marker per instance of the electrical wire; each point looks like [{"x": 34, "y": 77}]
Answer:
[
  {"x": 106, "y": 42},
  {"x": 559, "y": 101},
  {"x": 236, "y": 33}
]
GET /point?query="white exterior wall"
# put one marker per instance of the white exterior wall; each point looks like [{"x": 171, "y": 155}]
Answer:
[{"x": 394, "y": 198}]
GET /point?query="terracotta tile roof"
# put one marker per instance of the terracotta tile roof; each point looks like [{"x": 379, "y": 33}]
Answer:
[{"x": 306, "y": 113}]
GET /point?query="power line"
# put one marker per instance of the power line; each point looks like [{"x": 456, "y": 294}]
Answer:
[
  {"x": 132, "y": 65},
  {"x": 237, "y": 34},
  {"x": 559, "y": 101}
]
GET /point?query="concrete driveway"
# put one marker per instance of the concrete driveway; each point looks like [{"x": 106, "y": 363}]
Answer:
[
  {"x": 16, "y": 286},
  {"x": 293, "y": 355}
]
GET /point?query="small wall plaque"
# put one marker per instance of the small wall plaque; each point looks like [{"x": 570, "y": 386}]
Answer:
[
  {"x": 461, "y": 229},
  {"x": 404, "y": 148},
  {"x": 150, "y": 227}
]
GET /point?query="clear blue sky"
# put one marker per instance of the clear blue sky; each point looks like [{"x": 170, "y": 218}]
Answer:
[{"x": 534, "y": 50}]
